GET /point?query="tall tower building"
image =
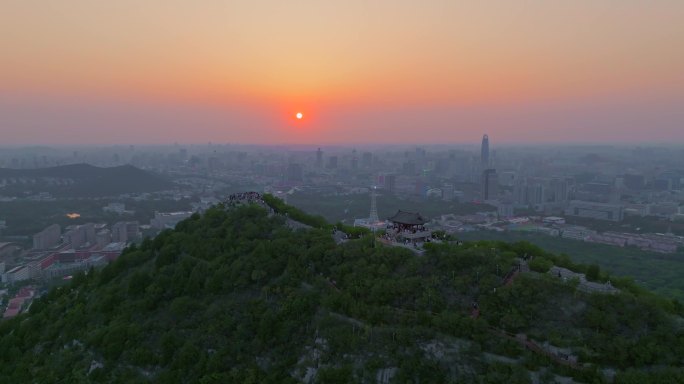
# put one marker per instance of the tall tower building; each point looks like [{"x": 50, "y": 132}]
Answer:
[
  {"x": 520, "y": 192},
  {"x": 560, "y": 189},
  {"x": 490, "y": 184},
  {"x": 536, "y": 194},
  {"x": 390, "y": 182},
  {"x": 319, "y": 158},
  {"x": 484, "y": 152}
]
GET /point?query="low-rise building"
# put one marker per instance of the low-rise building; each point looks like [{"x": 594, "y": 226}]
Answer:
[
  {"x": 553, "y": 220},
  {"x": 16, "y": 274},
  {"x": 66, "y": 268},
  {"x": 664, "y": 209},
  {"x": 576, "y": 232},
  {"x": 592, "y": 210},
  {"x": 647, "y": 242}
]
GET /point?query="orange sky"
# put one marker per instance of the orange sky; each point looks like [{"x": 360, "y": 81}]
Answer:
[{"x": 396, "y": 71}]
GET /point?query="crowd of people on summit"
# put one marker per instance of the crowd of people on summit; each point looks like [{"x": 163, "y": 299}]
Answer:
[{"x": 244, "y": 198}]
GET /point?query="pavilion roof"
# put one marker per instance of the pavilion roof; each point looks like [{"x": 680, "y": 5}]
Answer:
[{"x": 408, "y": 218}]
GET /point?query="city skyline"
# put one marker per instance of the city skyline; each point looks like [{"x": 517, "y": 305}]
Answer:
[{"x": 387, "y": 72}]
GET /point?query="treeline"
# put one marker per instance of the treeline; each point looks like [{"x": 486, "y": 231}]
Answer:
[
  {"x": 315, "y": 221},
  {"x": 293, "y": 213}
]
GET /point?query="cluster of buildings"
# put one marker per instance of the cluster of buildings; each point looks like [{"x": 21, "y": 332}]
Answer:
[
  {"x": 593, "y": 186},
  {"x": 594, "y": 183},
  {"x": 78, "y": 248},
  {"x": 597, "y": 183},
  {"x": 85, "y": 235},
  {"x": 56, "y": 252},
  {"x": 557, "y": 227},
  {"x": 655, "y": 242},
  {"x": 509, "y": 190}
]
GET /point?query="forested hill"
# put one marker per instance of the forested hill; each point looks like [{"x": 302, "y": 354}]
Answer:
[
  {"x": 236, "y": 296},
  {"x": 80, "y": 180}
]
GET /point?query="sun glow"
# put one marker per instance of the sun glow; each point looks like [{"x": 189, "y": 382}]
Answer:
[{"x": 299, "y": 115}]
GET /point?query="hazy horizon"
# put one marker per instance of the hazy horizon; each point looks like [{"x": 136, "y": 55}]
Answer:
[{"x": 398, "y": 72}]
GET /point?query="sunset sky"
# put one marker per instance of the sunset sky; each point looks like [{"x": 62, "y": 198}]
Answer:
[{"x": 135, "y": 71}]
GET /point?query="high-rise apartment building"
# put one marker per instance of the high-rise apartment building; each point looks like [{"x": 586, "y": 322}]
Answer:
[
  {"x": 47, "y": 238},
  {"x": 390, "y": 182},
  {"x": 560, "y": 189}
]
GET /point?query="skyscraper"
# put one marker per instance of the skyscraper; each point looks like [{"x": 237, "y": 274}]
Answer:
[
  {"x": 490, "y": 184},
  {"x": 520, "y": 192},
  {"x": 390, "y": 182},
  {"x": 448, "y": 192},
  {"x": 536, "y": 194},
  {"x": 560, "y": 189},
  {"x": 484, "y": 152},
  {"x": 319, "y": 158}
]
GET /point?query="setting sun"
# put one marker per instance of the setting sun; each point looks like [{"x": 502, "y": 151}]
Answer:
[{"x": 299, "y": 115}]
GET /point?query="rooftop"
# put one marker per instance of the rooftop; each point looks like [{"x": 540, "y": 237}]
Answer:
[{"x": 408, "y": 218}]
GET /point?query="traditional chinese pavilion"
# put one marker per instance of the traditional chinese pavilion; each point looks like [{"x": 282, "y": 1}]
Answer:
[
  {"x": 408, "y": 220},
  {"x": 410, "y": 225}
]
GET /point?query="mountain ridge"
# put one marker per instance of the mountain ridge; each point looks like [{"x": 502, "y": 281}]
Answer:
[
  {"x": 235, "y": 295},
  {"x": 83, "y": 180}
]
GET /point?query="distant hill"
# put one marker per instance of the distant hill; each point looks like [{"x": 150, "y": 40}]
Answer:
[
  {"x": 80, "y": 180},
  {"x": 236, "y": 296}
]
